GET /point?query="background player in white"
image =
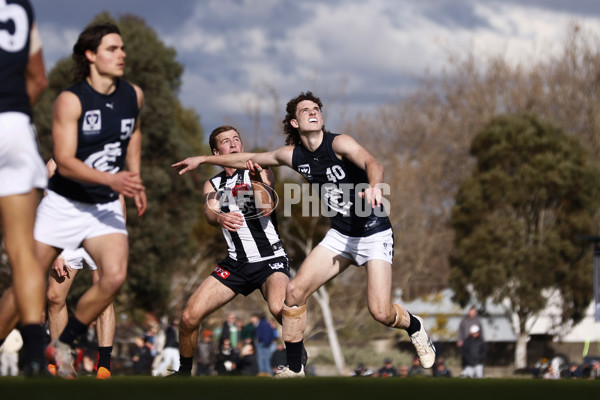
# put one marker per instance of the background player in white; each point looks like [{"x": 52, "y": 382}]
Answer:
[
  {"x": 333, "y": 160},
  {"x": 256, "y": 257},
  {"x": 22, "y": 79}
]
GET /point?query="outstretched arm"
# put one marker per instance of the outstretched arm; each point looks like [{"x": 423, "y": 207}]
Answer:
[{"x": 281, "y": 156}]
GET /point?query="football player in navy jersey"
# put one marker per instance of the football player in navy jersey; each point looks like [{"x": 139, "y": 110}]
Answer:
[
  {"x": 22, "y": 79},
  {"x": 350, "y": 182},
  {"x": 241, "y": 203},
  {"x": 96, "y": 131}
]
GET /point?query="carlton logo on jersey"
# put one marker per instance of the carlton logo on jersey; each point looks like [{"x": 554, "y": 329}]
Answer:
[
  {"x": 105, "y": 159},
  {"x": 92, "y": 122},
  {"x": 14, "y": 27}
]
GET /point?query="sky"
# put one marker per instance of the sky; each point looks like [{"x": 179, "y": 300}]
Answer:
[{"x": 356, "y": 55}]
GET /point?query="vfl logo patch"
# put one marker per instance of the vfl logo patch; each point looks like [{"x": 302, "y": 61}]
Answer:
[
  {"x": 92, "y": 122},
  {"x": 304, "y": 170},
  {"x": 221, "y": 272},
  {"x": 277, "y": 265}
]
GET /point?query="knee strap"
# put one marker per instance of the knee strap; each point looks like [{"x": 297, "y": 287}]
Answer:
[
  {"x": 402, "y": 320},
  {"x": 293, "y": 323}
]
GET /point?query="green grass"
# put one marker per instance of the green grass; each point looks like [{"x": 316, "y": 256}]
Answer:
[{"x": 310, "y": 388}]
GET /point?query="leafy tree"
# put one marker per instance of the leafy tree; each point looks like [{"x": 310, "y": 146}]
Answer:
[
  {"x": 518, "y": 221},
  {"x": 160, "y": 241}
]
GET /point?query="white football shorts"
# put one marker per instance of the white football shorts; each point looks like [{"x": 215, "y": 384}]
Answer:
[
  {"x": 378, "y": 246},
  {"x": 65, "y": 223},
  {"x": 75, "y": 258},
  {"x": 21, "y": 166}
]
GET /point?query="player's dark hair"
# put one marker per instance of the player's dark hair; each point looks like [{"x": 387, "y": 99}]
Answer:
[
  {"x": 212, "y": 139},
  {"x": 292, "y": 135},
  {"x": 89, "y": 39}
]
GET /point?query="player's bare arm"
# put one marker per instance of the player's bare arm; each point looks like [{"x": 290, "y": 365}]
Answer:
[
  {"x": 281, "y": 156},
  {"x": 134, "y": 155},
  {"x": 35, "y": 72},
  {"x": 231, "y": 221},
  {"x": 345, "y": 146}
]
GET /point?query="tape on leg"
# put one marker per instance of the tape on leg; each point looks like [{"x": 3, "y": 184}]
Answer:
[
  {"x": 402, "y": 320},
  {"x": 293, "y": 323}
]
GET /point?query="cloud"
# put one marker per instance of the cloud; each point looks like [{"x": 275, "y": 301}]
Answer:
[{"x": 358, "y": 54}]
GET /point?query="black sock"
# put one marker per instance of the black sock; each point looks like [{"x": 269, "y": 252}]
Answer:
[
  {"x": 33, "y": 342},
  {"x": 72, "y": 331},
  {"x": 414, "y": 326},
  {"x": 104, "y": 354},
  {"x": 294, "y": 355},
  {"x": 185, "y": 364}
]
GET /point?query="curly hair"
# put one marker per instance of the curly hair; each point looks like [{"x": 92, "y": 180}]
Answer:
[
  {"x": 292, "y": 135},
  {"x": 89, "y": 39}
]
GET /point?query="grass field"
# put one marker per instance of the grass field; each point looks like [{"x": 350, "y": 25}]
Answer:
[{"x": 310, "y": 388}]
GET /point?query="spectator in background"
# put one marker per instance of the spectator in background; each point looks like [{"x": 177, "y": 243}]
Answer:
[
  {"x": 205, "y": 355},
  {"x": 143, "y": 356},
  {"x": 9, "y": 354},
  {"x": 387, "y": 370},
  {"x": 473, "y": 354},
  {"x": 264, "y": 338},
  {"x": 230, "y": 330},
  {"x": 416, "y": 369},
  {"x": 595, "y": 370},
  {"x": 440, "y": 370},
  {"x": 465, "y": 325},
  {"x": 573, "y": 372},
  {"x": 248, "y": 364},
  {"x": 170, "y": 353},
  {"x": 361, "y": 371},
  {"x": 551, "y": 373},
  {"x": 404, "y": 371},
  {"x": 248, "y": 333},
  {"x": 227, "y": 359}
]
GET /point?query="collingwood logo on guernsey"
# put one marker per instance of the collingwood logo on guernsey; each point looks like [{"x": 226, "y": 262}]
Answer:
[{"x": 92, "y": 122}]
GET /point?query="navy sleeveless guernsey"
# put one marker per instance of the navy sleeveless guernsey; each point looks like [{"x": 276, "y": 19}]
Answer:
[
  {"x": 15, "y": 29},
  {"x": 104, "y": 129},
  {"x": 337, "y": 182}
]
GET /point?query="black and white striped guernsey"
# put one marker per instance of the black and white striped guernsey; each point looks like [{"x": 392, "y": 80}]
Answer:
[{"x": 258, "y": 239}]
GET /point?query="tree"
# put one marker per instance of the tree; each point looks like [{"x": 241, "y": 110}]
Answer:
[
  {"x": 160, "y": 244},
  {"x": 518, "y": 221}
]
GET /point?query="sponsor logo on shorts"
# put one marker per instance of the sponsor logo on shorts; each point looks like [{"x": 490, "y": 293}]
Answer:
[
  {"x": 277, "y": 265},
  {"x": 222, "y": 272}
]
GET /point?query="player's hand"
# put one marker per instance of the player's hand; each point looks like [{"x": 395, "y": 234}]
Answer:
[
  {"x": 140, "y": 203},
  {"x": 60, "y": 268},
  {"x": 129, "y": 184},
  {"x": 231, "y": 221},
  {"x": 188, "y": 164},
  {"x": 255, "y": 170},
  {"x": 373, "y": 195}
]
